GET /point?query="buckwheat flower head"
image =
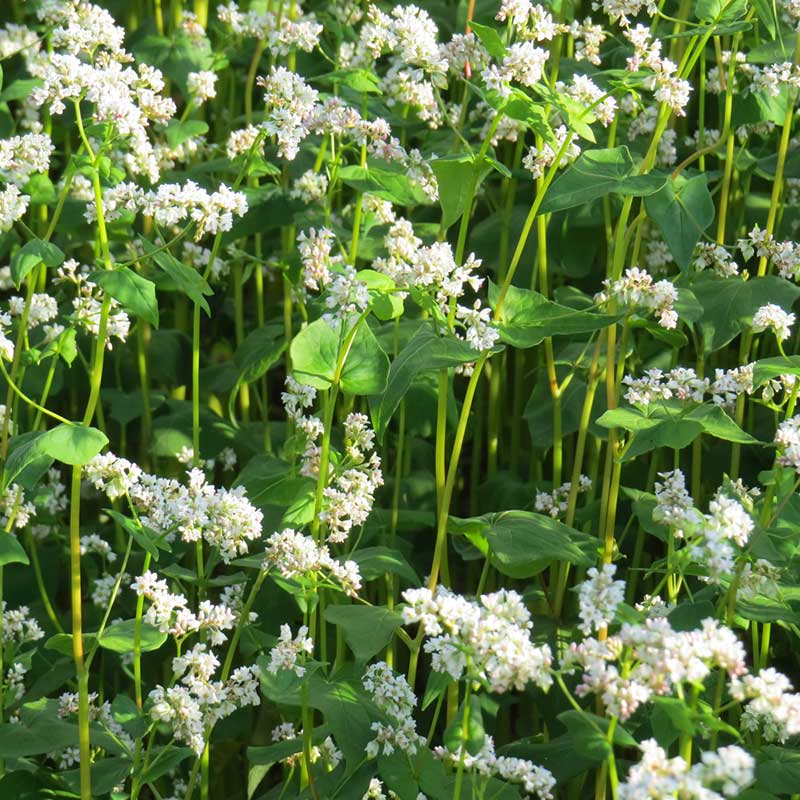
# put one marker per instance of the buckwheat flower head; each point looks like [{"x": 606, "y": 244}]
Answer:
[
  {"x": 598, "y": 597},
  {"x": 19, "y": 626},
  {"x": 554, "y": 503},
  {"x": 773, "y": 709},
  {"x": 488, "y": 640},
  {"x": 787, "y": 440},
  {"x": 202, "y": 86},
  {"x": 517, "y": 11},
  {"x": 315, "y": 248},
  {"x": 13, "y": 205},
  {"x": 309, "y": 187},
  {"x": 588, "y": 38},
  {"x": 479, "y": 332},
  {"x": 111, "y": 474},
  {"x": 674, "y": 505},
  {"x": 772, "y": 316},
  {"x": 295, "y": 555},
  {"x": 394, "y": 698},
  {"x": 289, "y": 650},
  {"x": 636, "y": 289},
  {"x": 289, "y": 104},
  {"x": 23, "y": 156}
]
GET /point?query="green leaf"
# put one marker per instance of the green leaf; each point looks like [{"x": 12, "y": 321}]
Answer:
[
  {"x": 11, "y": 551},
  {"x": 716, "y": 422},
  {"x": 458, "y": 178},
  {"x": 367, "y": 629},
  {"x": 766, "y": 13},
  {"x": 315, "y": 351},
  {"x": 729, "y": 304},
  {"x": 590, "y": 734},
  {"x": 472, "y": 735},
  {"x": 179, "y": 131},
  {"x": 72, "y": 444},
  {"x": 258, "y": 352},
  {"x": 682, "y": 209},
  {"x": 135, "y": 293},
  {"x": 30, "y": 255},
  {"x": 359, "y": 80},
  {"x": 164, "y": 761},
  {"x": 26, "y": 461},
  {"x": 778, "y": 769},
  {"x": 768, "y": 368},
  {"x": 424, "y": 352},
  {"x": 148, "y": 539},
  {"x": 528, "y": 318},
  {"x": 120, "y": 637},
  {"x": 490, "y": 38},
  {"x": 392, "y": 186},
  {"x": 595, "y": 174},
  {"x": 185, "y": 279},
  {"x": 523, "y": 543},
  {"x": 374, "y": 562}
]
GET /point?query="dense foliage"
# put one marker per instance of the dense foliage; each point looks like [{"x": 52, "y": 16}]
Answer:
[{"x": 399, "y": 402}]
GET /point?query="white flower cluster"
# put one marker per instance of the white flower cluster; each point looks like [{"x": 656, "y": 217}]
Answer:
[
  {"x": 94, "y": 543},
  {"x": 432, "y": 268},
  {"x": 309, "y": 187},
  {"x": 724, "y": 773},
  {"x": 350, "y": 495},
  {"x": 326, "y": 751},
  {"x": 488, "y": 641},
  {"x": 533, "y": 779},
  {"x": 282, "y": 32},
  {"x": 651, "y": 659},
  {"x": 13, "y": 205},
  {"x": 710, "y": 535},
  {"x": 787, "y": 440},
  {"x": 171, "y": 614},
  {"x": 88, "y": 63},
  {"x": 772, "y": 708},
  {"x": 224, "y": 518},
  {"x": 15, "y": 510},
  {"x": 784, "y": 255},
  {"x": 554, "y": 503},
  {"x": 19, "y": 627},
  {"x": 22, "y": 156},
  {"x": 295, "y": 555},
  {"x": 195, "y": 705},
  {"x": 665, "y": 84},
  {"x": 771, "y": 316},
  {"x": 290, "y": 652},
  {"x": 88, "y": 303},
  {"x": 99, "y": 712},
  {"x": 171, "y": 204},
  {"x": 394, "y": 698},
  {"x": 636, "y": 289},
  {"x": 598, "y": 598},
  {"x": 715, "y": 256}
]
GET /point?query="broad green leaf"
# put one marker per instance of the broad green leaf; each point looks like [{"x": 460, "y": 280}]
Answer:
[
  {"x": 107, "y": 773},
  {"x": 11, "y": 551},
  {"x": 595, "y": 174},
  {"x": 527, "y": 318},
  {"x": 392, "y": 186},
  {"x": 260, "y": 350},
  {"x": 768, "y": 368},
  {"x": 682, "y": 209},
  {"x": 374, "y": 562},
  {"x": 184, "y": 279},
  {"x": 458, "y": 178},
  {"x": 424, "y": 352},
  {"x": 778, "y": 769},
  {"x": 145, "y": 537},
  {"x": 315, "y": 352},
  {"x": 367, "y": 629},
  {"x": 397, "y": 772},
  {"x": 590, "y": 734},
  {"x": 72, "y": 444},
  {"x": 120, "y": 637},
  {"x": 180, "y": 131},
  {"x": 30, "y": 255},
  {"x": 466, "y": 730},
  {"x": 729, "y": 304},
  {"x": 766, "y": 14},
  {"x": 360, "y": 80},
  {"x": 269, "y": 481},
  {"x": 716, "y": 422},
  {"x": 26, "y": 461},
  {"x": 523, "y": 543},
  {"x": 490, "y": 38},
  {"x": 165, "y": 760},
  {"x": 629, "y": 419},
  {"x": 135, "y": 293}
]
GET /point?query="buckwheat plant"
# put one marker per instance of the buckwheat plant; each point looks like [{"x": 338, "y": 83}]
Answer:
[{"x": 399, "y": 401}]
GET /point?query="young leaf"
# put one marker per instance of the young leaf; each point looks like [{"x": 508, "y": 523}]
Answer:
[
  {"x": 119, "y": 637},
  {"x": 134, "y": 293},
  {"x": 30, "y": 255},
  {"x": 11, "y": 551},
  {"x": 73, "y": 444},
  {"x": 682, "y": 209},
  {"x": 367, "y": 629},
  {"x": 315, "y": 352},
  {"x": 471, "y": 735}
]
